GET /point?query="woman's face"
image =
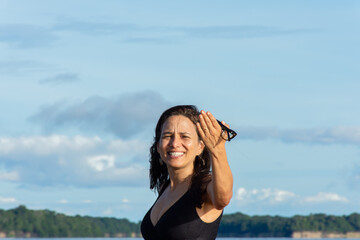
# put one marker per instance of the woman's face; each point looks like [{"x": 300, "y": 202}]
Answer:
[{"x": 179, "y": 142}]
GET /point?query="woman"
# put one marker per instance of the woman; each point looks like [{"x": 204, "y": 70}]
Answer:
[{"x": 191, "y": 197}]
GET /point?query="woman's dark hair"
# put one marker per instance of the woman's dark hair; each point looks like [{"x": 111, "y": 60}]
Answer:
[{"x": 159, "y": 175}]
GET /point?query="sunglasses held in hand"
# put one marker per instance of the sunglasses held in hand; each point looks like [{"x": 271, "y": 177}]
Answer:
[{"x": 230, "y": 133}]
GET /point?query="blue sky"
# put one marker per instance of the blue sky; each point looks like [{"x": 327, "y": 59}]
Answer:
[{"x": 82, "y": 85}]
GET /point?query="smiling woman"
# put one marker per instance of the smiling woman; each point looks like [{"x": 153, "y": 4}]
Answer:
[
  {"x": 179, "y": 144},
  {"x": 192, "y": 197}
]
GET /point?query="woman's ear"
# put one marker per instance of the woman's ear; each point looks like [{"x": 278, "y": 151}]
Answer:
[{"x": 201, "y": 147}]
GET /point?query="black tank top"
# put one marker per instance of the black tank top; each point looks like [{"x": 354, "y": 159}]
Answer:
[{"x": 180, "y": 222}]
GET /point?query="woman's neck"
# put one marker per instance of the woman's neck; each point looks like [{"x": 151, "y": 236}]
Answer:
[{"x": 180, "y": 178}]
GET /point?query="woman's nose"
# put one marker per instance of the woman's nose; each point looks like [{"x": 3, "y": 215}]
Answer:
[{"x": 175, "y": 141}]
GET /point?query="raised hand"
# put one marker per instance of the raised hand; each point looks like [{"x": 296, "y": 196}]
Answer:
[{"x": 210, "y": 131}]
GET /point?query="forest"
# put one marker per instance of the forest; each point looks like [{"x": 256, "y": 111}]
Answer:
[
  {"x": 241, "y": 225},
  {"x": 23, "y": 222}
]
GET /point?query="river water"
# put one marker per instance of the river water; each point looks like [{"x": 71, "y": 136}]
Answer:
[{"x": 142, "y": 239}]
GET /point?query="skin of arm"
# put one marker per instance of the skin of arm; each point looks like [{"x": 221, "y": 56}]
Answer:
[{"x": 220, "y": 189}]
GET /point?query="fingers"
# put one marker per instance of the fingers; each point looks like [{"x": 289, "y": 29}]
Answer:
[
  {"x": 204, "y": 124},
  {"x": 210, "y": 131},
  {"x": 210, "y": 127},
  {"x": 213, "y": 120},
  {"x": 209, "y": 123},
  {"x": 201, "y": 131},
  {"x": 210, "y": 120}
]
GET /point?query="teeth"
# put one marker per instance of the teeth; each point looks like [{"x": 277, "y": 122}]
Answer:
[{"x": 176, "y": 154}]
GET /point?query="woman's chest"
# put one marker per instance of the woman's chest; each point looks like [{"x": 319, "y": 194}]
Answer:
[
  {"x": 165, "y": 202},
  {"x": 180, "y": 221}
]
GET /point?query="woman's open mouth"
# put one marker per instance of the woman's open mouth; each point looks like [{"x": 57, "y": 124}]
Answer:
[{"x": 176, "y": 154}]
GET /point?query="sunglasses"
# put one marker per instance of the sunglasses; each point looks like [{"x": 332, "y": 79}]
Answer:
[{"x": 230, "y": 133}]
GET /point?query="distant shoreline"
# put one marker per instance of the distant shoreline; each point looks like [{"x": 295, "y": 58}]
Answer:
[
  {"x": 319, "y": 235},
  {"x": 21, "y": 222},
  {"x": 295, "y": 235}
]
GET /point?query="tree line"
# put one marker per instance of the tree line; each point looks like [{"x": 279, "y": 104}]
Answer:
[
  {"x": 20, "y": 222},
  {"x": 241, "y": 225},
  {"x": 23, "y": 222}
]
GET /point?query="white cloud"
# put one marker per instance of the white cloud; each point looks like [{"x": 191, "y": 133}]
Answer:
[
  {"x": 325, "y": 197},
  {"x": 101, "y": 162},
  {"x": 63, "y": 201},
  {"x": 45, "y": 145},
  {"x": 267, "y": 195},
  {"x": 73, "y": 161},
  {"x": 127, "y": 146},
  {"x": 7, "y": 200}
]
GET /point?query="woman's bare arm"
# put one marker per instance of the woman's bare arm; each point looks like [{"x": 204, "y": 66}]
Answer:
[{"x": 220, "y": 188}]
